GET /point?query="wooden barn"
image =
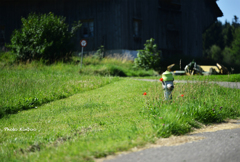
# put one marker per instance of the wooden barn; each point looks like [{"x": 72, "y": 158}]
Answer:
[{"x": 123, "y": 25}]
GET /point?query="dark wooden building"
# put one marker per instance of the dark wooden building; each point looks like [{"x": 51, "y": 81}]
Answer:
[{"x": 123, "y": 25}]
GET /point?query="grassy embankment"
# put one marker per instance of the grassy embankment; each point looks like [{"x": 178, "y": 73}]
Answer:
[{"x": 99, "y": 120}]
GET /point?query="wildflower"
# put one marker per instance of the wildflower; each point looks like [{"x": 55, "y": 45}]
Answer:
[
  {"x": 182, "y": 95},
  {"x": 163, "y": 124},
  {"x": 161, "y": 79},
  {"x": 160, "y": 117},
  {"x": 145, "y": 93},
  {"x": 221, "y": 107},
  {"x": 213, "y": 109}
]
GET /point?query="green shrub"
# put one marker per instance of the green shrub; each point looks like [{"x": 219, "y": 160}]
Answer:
[
  {"x": 149, "y": 57},
  {"x": 43, "y": 37},
  {"x": 100, "y": 53},
  {"x": 7, "y": 57}
]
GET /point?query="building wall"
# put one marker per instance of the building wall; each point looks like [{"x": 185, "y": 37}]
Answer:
[
  {"x": 197, "y": 16},
  {"x": 176, "y": 31}
]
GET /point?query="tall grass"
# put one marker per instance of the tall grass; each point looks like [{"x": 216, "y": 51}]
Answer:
[
  {"x": 115, "y": 65},
  {"x": 191, "y": 104},
  {"x": 28, "y": 86}
]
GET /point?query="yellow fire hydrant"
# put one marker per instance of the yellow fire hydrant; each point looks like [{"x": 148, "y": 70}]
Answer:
[{"x": 167, "y": 84}]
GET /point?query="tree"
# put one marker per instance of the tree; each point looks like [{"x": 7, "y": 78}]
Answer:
[
  {"x": 44, "y": 37},
  {"x": 215, "y": 52},
  {"x": 100, "y": 53},
  {"x": 227, "y": 56},
  {"x": 227, "y": 33},
  {"x": 235, "y": 51},
  {"x": 235, "y": 21},
  {"x": 213, "y": 35},
  {"x": 149, "y": 57}
]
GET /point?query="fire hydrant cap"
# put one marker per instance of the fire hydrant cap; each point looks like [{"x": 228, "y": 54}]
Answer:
[{"x": 167, "y": 76}]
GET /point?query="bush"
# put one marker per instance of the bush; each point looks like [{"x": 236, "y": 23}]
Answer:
[
  {"x": 100, "y": 53},
  {"x": 43, "y": 37},
  {"x": 149, "y": 57},
  {"x": 7, "y": 58}
]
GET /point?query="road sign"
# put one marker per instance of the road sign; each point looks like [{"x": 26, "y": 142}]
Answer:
[{"x": 83, "y": 43}]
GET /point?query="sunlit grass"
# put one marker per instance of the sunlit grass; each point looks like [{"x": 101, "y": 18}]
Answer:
[
  {"x": 192, "y": 103},
  {"x": 87, "y": 125},
  {"x": 113, "y": 118},
  {"x": 28, "y": 86},
  {"x": 68, "y": 116}
]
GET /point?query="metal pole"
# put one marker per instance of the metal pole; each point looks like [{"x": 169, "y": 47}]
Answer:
[{"x": 82, "y": 57}]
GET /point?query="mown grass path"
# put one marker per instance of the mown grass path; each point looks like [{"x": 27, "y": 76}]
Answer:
[{"x": 91, "y": 124}]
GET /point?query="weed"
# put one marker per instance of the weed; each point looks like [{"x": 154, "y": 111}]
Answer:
[{"x": 191, "y": 104}]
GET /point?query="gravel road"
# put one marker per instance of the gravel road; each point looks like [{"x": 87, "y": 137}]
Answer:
[{"x": 218, "y": 146}]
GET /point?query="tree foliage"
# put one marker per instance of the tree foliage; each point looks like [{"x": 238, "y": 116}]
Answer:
[
  {"x": 44, "y": 37},
  {"x": 221, "y": 42},
  {"x": 235, "y": 50},
  {"x": 149, "y": 57},
  {"x": 215, "y": 52}
]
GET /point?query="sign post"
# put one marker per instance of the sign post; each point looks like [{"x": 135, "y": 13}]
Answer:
[{"x": 83, "y": 43}]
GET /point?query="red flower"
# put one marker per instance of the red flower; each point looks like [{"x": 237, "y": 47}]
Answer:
[
  {"x": 161, "y": 79},
  {"x": 145, "y": 93},
  {"x": 182, "y": 95}
]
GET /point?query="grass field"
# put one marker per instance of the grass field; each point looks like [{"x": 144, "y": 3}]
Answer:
[
  {"x": 55, "y": 113},
  {"x": 112, "y": 118},
  {"x": 29, "y": 86}
]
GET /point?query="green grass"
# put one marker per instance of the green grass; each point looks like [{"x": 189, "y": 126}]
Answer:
[
  {"x": 112, "y": 118},
  {"x": 63, "y": 115},
  {"x": 201, "y": 103},
  {"x": 29, "y": 86},
  {"x": 90, "y": 124},
  {"x": 114, "y": 66}
]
